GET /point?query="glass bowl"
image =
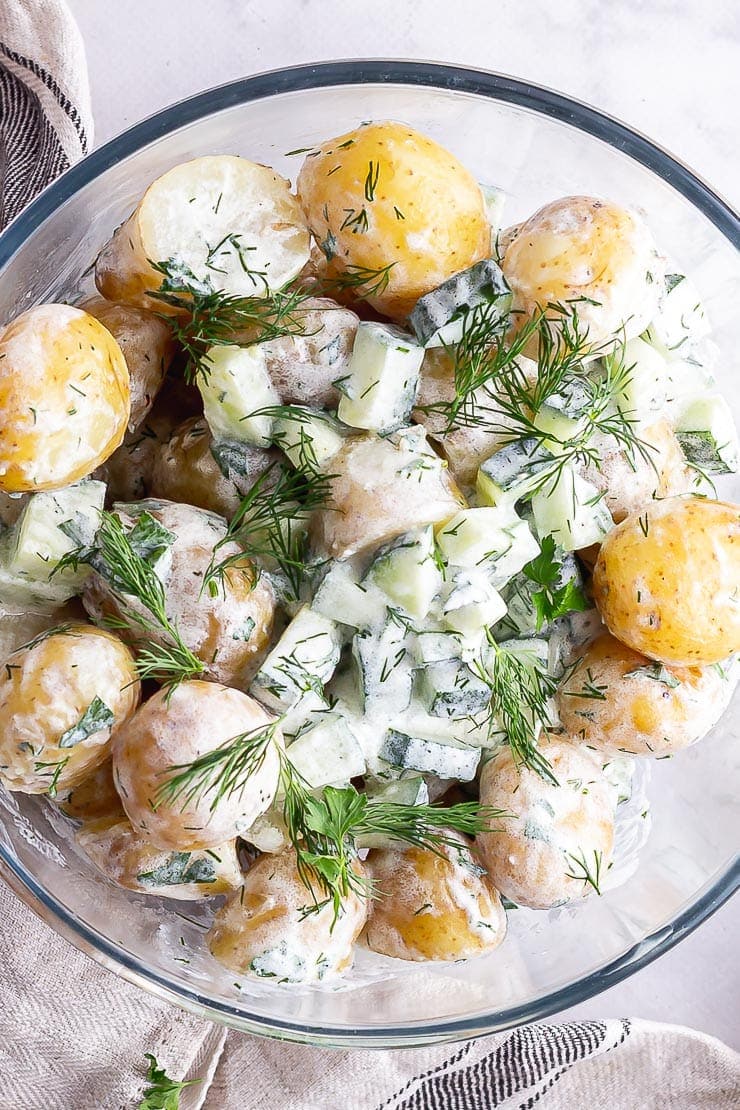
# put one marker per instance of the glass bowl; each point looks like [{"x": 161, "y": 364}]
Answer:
[{"x": 536, "y": 145}]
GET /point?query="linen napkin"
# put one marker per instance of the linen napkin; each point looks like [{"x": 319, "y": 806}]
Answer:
[{"x": 73, "y": 1036}]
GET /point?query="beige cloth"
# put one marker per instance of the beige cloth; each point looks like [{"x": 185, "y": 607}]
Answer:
[{"x": 73, "y": 1036}]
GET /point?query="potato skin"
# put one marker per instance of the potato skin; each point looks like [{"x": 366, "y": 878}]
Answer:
[
  {"x": 262, "y": 931},
  {"x": 432, "y": 907},
  {"x": 195, "y": 718},
  {"x": 227, "y": 632},
  {"x": 45, "y": 690},
  {"x": 532, "y": 855},
  {"x": 64, "y": 396},
  {"x": 586, "y": 247},
  {"x": 379, "y": 491},
  {"x": 94, "y": 798},
  {"x": 131, "y": 861},
  {"x": 303, "y": 368},
  {"x": 147, "y": 345},
  {"x": 184, "y": 469},
  {"x": 635, "y": 712},
  {"x": 666, "y": 581},
  {"x": 426, "y": 215}
]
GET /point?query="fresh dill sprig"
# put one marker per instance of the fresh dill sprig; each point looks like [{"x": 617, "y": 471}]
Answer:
[
  {"x": 364, "y": 281},
  {"x": 581, "y": 869},
  {"x": 126, "y": 561},
  {"x": 51, "y": 770},
  {"x": 520, "y": 689},
  {"x": 163, "y": 1092}
]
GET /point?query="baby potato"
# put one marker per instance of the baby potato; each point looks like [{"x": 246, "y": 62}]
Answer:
[
  {"x": 64, "y": 396},
  {"x": 185, "y": 469},
  {"x": 667, "y": 581},
  {"x": 303, "y": 368},
  {"x": 62, "y": 697},
  {"x": 147, "y": 345},
  {"x": 132, "y": 861},
  {"x": 630, "y": 481},
  {"x": 617, "y": 700},
  {"x": 585, "y": 247},
  {"x": 232, "y": 224},
  {"x": 555, "y": 837},
  {"x": 432, "y": 906},
  {"x": 176, "y": 727},
  {"x": 382, "y": 487},
  {"x": 94, "y": 798},
  {"x": 16, "y": 629},
  {"x": 263, "y": 930},
  {"x": 227, "y": 632},
  {"x": 384, "y": 195}
]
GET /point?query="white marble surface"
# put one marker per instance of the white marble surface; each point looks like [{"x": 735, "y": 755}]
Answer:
[{"x": 667, "y": 67}]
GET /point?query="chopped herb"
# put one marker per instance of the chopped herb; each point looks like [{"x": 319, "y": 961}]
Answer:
[
  {"x": 96, "y": 717},
  {"x": 163, "y": 1093}
]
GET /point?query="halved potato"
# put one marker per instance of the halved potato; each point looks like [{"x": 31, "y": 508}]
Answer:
[
  {"x": 64, "y": 398},
  {"x": 229, "y": 222}
]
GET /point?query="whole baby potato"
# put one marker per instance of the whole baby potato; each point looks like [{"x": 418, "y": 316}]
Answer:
[
  {"x": 380, "y": 488},
  {"x": 147, "y": 345},
  {"x": 227, "y": 629},
  {"x": 64, "y": 398},
  {"x": 62, "y": 697},
  {"x": 583, "y": 247},
  {"x": 433, "y": 906},
  {"x": 94, "y": 798},
  {"x": 185, "y": 469},
  {"x": 132, "y": 861},
  {"x": 667, "y": 581},
  {"x": 385, "y": 195},
  {"x": 617, "y": 700},
  {"x": 174, "y": 728},
  {"x": 227, "y": 223},
  {"x": 553, "y": 839},
  {"x": 264, "y": 931}
]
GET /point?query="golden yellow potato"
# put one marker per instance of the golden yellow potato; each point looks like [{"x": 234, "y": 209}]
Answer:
[
  {"x": 556, "y": 837},
  {"x": 630, "y": 481},
  {"x": 132, "y": 861},
  {"x": 432, "y": 907},
  {"x": 231, "y": 223},
  {"x": 667, "y": 581},
  {"x": 263, "y": 931},
  {"x": 147, "y": 345},
  {"x": 62, "y": 697},
  {"x": 618, "y": 700},
  {"x": 585, "y": 247},
  {"x": 64, "y": 396},
  {"x": 185, "y": 469},
  {"x": 228, "y": 631},
  {"x": 94, "y": 798},
  {"x": 177, "y": 727},
  {"x": 381, "y": 488},
  {"x": 385, "y": 195}
]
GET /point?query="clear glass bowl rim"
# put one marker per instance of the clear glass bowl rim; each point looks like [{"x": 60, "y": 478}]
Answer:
[{"x": 495, "y": 86}]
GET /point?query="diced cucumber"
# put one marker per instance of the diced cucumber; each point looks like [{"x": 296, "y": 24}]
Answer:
[
  {"x": 438, "y": 318},
  {"x": 308, "y": 438},
  {"x": 327, "y": 752},
  {"x": 52, "y": 524},
  {"x": 268, "y": 833},
  {"x": 407, "y": 573},
  {"x": 304, "y": 658},
  {"x": 573, "y": 512},
  {"x": 471, "y": 602},
  {"x": 450, "y": 689},
  {"x": 512, "y": 472},
  {"x": 681, "y": 319},
  {"x": 409, "y": 791},
  {"x": 706, "y": 430},
  {"x": 557, "y": 426},
  {"x": 494, "y": 200},
  {"x": 436, "y": 647},
  {"x": 533, "y": 650},
  {"x": 238, "y": 385},
  {"x": 342, "y": 597},
  {"x": 492, "y": 535},
  {"x": 385, "y": 670},
  {"x": 448, "y": 760},
  {"x": 379, "y": 389},
  {"x": 647, "y": 380}
]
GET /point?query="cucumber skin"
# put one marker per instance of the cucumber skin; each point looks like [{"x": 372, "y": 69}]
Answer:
[
  {"x": 428, "y": 756},
  {"x": 481, "y": 284}
]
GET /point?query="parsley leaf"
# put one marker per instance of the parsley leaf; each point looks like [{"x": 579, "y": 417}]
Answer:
[
  {"x": 553, "y": 600},
  {"x": 164, "y": 1093}
]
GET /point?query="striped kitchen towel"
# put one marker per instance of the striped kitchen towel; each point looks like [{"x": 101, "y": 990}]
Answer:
[{"x": 73, "y": 1036}]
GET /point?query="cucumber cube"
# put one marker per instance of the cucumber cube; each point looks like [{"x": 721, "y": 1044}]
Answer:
[
  {"x": 327, "y": 752},
  {"x": 304, "y": 658},
  {"x": 648, "y": 382},
  {"x": 237, "y": 386},
  {"x": 438, "y": 318},
  {"x": 490, "y": 535},
  {"x": 385, "y": 670},
  {"x": 308, "y": 438},
  {"x": 436, "y": 647},
  {"x": 341, "y": 596},
  {"x": 706, "y": 430},
  {"x": 681, "y": 319},
  {"x": 446, "y": 759},
  {"x": 379, "y": 389},
  {"x": 512, "y": 472},
  {"x": 407, "y": 573},
  {"x": 573, "y": 512},
  {"x": 471, "y": 603},
  {"x": 450, "y": 689}
]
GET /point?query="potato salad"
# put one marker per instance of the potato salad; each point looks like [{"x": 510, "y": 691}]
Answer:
[{"x": 350, "y": 540}]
